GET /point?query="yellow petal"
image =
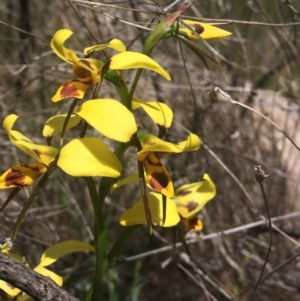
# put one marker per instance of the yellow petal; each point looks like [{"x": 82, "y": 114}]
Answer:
[
  {"x": 136, "y": 215},
  {"x": 72, "y": 88},
  {"x": 125, "y": 181},
  {"x": 54, "y": 125},
  {"x": 88, "y": 157},
  {"x": 151, "y": 143},
  {"x": 42, "y": 153},
  {"x": 191, "y": 198},
  {"x": 109, "y": 117},
  {"x": 157, "y": 176},
  {"x": 130, "y": 60},
  {"x": 114, "y": 44},
  {"x": 9, "y": 289},
  {"x": 206, "y": 31},
  {"x": 47, "y": 273},
  {"x": 58, "y": 250},
  {"x": 21, "y": 175},
  {"x": 57, "y": 45},
  {"x": 159, "y": 112}
]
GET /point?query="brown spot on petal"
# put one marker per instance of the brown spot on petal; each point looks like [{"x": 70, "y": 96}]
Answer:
[
  {"x": 86, "y": 63},
  {"x": 150, "y": 162},
  {"x": 198, "y": 28},
  {"x": 193, "y": 223},
  {"x": 158, "y": 181},
  {"x": 183, "y": 192},
  {"x": 190, "y": 206},
  {"x": 68, "y": 90},
  {"x": 15, "y": 178}
]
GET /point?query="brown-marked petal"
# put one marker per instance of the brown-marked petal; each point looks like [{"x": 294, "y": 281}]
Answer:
[
  {"x": 157, "y": 175},
  {"x": 21, "y": 175},
  {"x": 72, "y": 88},
  {"x": 114, "y": 44}
]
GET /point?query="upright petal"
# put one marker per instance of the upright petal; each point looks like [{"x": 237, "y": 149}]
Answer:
[
  {"x": 42, "y": 153},
  {"x": 54, "y": 125},
  {"x": 88, "y": 157},
  {"x": 131, "y": 60},
  {"x": 21, "y": 175},
  {"x": 136, "y": 215},
  {"x": 109, "y": 117},
  {"x": 57, "y": 45},
  {"x": 159, "y": 112},
  {"x": 191, "y": 198}
]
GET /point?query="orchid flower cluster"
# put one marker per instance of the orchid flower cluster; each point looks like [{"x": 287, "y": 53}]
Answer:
[{"x": 90, "y": 157}]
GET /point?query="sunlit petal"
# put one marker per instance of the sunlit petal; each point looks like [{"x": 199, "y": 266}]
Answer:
[
  {"x": 114, "y": 44},
  {"x": 72, "y": 88},
  {"x": 54, "y": 125},
  {"x": 109, "y": 117},
  {"x": 90, "y": 64},
  {"x": 87, "y": 157},
  {"x": 151, "y": 143},
  {"x": 136, "y": 215},
  {"x": 21, "y": 175},
  {"x": 206, "y": 31},
  {"x": 57, "y": 45},
  {"x": 191, "y": 198},
  {"x": 130, "y": 60},
  {"x": 159, "y": 112}
]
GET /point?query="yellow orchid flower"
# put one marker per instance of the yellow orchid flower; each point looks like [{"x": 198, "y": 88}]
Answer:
[
  {"x": 189, "y": 199},
  {"x": 204, "y": 30},
  {"x": 82, "y": 157},
  {"x": 25, "y": 174},
  {"x": 88, "y": 70}
]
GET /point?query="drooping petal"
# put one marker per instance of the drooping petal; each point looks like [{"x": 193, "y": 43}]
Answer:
[
  {"x": 88, "y": 157},
  {"x": 192, "y": 223},
  {"x": 191, "y": 198},
  {"x": 157, "y": 175},
  {"x": 206, "y": 31},
  {"x": 72, "y": 88},
  {"x": 131, "y": 60},
  {"x": 114, "y": 44},
  {"x": 41, "y": 153},
  {"x": 151, "y": 143},
  {"x": 9, "y": 289},
  {"x": 109, "y": 117},
  {"x": 58, "y": 250},
  {"x": 57, "y": 45},
  {"x": 21, "y": 175},
  {"x": 136, "y": 215},
  {"x": 159, "y": 112},
  {"x": 54, "y": 125}
]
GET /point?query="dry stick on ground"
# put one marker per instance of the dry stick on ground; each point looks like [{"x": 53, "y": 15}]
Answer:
[{"x": 39, "y": 287}]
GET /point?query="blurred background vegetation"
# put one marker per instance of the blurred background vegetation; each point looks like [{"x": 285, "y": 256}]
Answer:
[{"x": 260, "y": 67}]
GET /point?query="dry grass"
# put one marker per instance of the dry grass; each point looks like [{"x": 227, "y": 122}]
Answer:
[{"x": 260, "y": 67}]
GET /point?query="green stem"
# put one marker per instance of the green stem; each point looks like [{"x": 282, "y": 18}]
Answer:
[
  {"x": 100, "y": 239},
  {"x": 34, "y": 193}
]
